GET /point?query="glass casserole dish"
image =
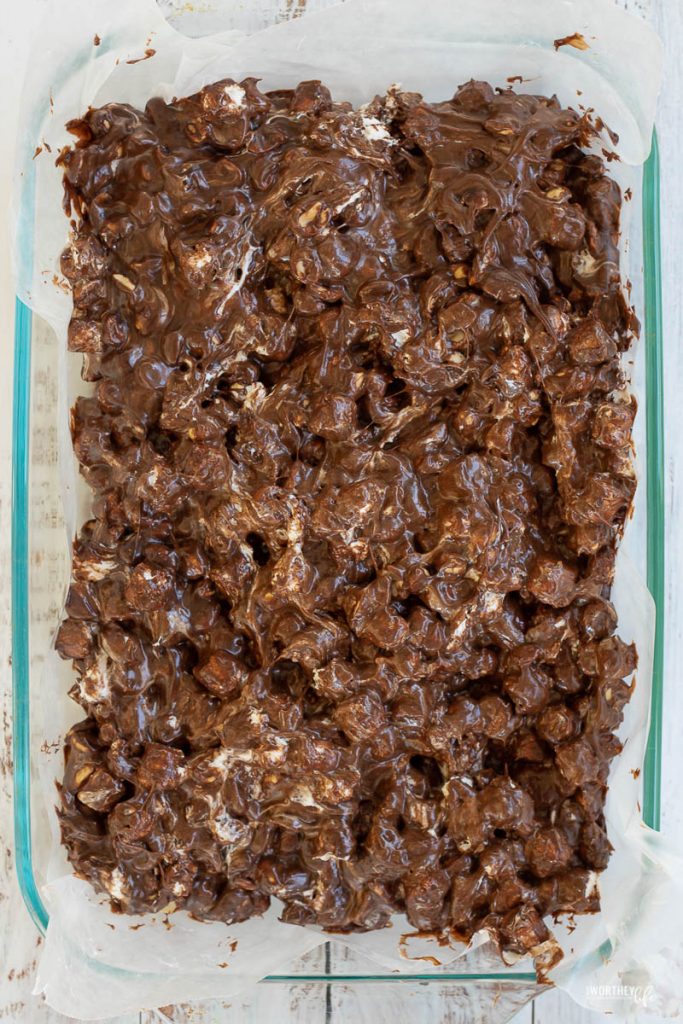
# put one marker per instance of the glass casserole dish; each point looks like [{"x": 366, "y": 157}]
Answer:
[{"x": 40, "y": 557}]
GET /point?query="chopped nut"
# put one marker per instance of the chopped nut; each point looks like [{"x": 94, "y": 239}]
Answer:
[
  {"x": 558, "y": 193},
  {"x": 101, "y": 791},
  {"x": 83, "y": 773},
  {"x": 124, "y": 282}
]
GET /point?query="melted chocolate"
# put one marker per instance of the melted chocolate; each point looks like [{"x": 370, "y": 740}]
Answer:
[{"x": 359, "y": 445}]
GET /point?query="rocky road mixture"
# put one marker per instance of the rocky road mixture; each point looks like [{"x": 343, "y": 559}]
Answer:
[{"x": 360, "y": 453}]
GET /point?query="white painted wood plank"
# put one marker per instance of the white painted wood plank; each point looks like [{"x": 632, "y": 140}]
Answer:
[
  {"x": 360, "y": 1003},
  {"x": 525, "y": 1015},
  {"x": 556, "y": 1008},
  {"x": 264, "y": 1004},
  {"x": 428, "y": 1003}
]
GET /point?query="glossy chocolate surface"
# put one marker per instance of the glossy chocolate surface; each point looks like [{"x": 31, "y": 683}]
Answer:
[{"x": 360, "y": 452}]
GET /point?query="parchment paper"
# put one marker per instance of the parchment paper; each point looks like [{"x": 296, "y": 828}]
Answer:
[{"x": 93, "y": 964}]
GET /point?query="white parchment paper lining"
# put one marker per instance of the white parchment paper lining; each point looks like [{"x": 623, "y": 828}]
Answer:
[{"x": 88, "y": 968}]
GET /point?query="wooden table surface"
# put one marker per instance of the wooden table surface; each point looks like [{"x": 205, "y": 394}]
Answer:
[{"x": 20, "y": 942}]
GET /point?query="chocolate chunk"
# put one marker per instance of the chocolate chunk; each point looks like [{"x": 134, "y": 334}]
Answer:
[
  {"x": 552, "y": 581},
  {"x": 74, "y": 639},
  {"x": 148, "y": 588},
  {"x": 221, "y": 673},
  {"x": 530, "y": 689},
  {"x": 557, "y": 723},
  {"x": 548, "y": 852},
  {"x": 590, "y": 344},
  {"x": 578, "y": 762},
  {"x": 100, "y": 791},
  {"x": 594, "y": 846},
  {"x": 161, "y": 767},
  {"x": 523, "y": 929}
]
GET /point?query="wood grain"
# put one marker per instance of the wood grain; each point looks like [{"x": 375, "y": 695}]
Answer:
[
  {"x": 316, "y": 1004},
  {"x": 372, "y": 1003}
]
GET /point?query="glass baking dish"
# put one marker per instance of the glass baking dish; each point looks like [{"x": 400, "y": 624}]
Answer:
[{"x": 41, "y": 569}]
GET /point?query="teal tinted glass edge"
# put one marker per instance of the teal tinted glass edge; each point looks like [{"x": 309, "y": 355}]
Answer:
[
  {"x": 655, "y": 580},
  {"x": 652, "y": 767},
  {"x": 20, "y": 616}
]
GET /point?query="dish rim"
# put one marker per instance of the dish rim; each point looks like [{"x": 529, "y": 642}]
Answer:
[{"x": 20, "y": 547}]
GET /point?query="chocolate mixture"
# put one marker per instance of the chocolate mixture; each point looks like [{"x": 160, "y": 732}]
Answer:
[{"x": 359, "y": 446}]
